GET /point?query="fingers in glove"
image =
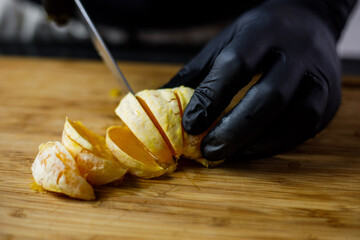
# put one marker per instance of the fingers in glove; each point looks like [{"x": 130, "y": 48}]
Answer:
[
  {"x": 197, "y": 69},
  {"x": 233, "y": 68},
  {"x": 263, "y": 104},
  {"x": 302, "y": 120}
]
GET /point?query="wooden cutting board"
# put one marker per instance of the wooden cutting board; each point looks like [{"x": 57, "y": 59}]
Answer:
[{"x": 311, "y": 192}]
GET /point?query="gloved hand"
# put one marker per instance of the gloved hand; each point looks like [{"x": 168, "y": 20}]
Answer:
[
  {"x": 59, "y": 10},
  {"x": 292, "y": 43}
]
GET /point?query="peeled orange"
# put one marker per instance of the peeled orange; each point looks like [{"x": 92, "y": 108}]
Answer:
[
  {"x": 147, "y": 143},
  {"x": 154, "y": 118},
  {"x": 55, "y": 170}
]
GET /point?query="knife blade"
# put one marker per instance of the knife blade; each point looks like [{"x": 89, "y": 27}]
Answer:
[{"x": 102, "y": 49}]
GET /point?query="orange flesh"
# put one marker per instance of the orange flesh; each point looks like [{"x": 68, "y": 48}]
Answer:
[
  {"x": 157, "y": 125},
  {"x": 68, "y": 163},
  {"x": 131, "y": 145},
  {"x": 99, "y": 146},
  {"x": 181, "y": 114}
]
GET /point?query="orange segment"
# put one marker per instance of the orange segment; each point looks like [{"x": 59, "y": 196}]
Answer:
[
  {"x": 136, "y": 119},
  {"x": 181, "y": 114},
  {"x": 162, "y": 107},
  {"x": 157, "y": 125},
  {"x": 192, "y": 142},
  {"x": 95, "y": 161},
  {"x": 132, "y": 153},
  {"x": 89, "y": 140},
  {"x": 130, "y": 144},
  {"x": 54, "y": 169}
]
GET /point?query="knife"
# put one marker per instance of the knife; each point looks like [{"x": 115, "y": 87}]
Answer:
[{"x": 102, "y": 50}]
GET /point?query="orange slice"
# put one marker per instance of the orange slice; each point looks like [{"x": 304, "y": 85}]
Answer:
[
  {"x": 191, "y": 147},
  {"x": 163, "y": 109},
  {"x": 132, "y": 153},
  {"x": 55, "y": 170},
  {"x": 94, "y": 159},
  {"x": 132, "y": 113}
]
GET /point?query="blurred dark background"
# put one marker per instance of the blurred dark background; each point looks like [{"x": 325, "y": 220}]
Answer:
[{"x": 154, "y": 36}]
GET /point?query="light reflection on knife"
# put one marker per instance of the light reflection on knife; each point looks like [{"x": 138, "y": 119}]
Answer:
[{"x": 102, "y": 49}]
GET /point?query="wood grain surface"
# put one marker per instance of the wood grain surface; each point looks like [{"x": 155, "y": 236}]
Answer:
[{"x": 310, "y": 192}]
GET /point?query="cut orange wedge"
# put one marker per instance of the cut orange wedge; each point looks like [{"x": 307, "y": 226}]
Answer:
[
  {"x": 154, "y": 117},
  {"x": 132, "y": 153},
  {"x": 95, "y": 161},
  {"x": 141, "y": 125},
  {"x": 163, "y": 109},
  {"x": 191, "y": 145},
  {"x": 55, "y": 170}
]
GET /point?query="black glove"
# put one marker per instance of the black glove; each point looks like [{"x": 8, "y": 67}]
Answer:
[{"x": 293, "y": 43}]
